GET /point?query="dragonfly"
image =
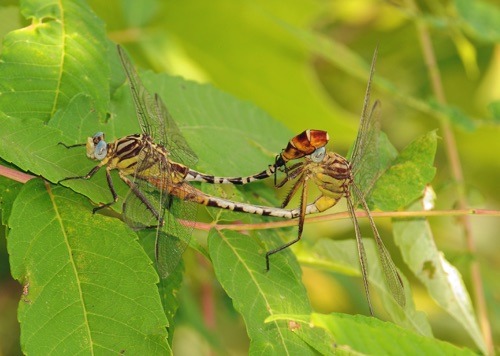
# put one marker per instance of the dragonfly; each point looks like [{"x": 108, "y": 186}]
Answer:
[
  {"x": 154, "y": 165},
  {"x": 338, "y": 177}
]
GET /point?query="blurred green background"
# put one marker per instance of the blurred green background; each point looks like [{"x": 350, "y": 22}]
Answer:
[{"x": 306, "y": 63}]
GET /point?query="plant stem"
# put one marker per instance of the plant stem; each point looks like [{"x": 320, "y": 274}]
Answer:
[
  {"x": 457, "y": 174},
  {"x": 340, "y": 216}
]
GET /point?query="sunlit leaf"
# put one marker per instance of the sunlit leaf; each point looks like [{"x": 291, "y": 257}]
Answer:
[
  {"x": 84, "y": 275},
  {"x": 481, "y": 18},
  {"x": 239, "y": 263},
  {"x": 443, "y": 282},
  {"x": 494, "y": 109},
  {"x": 406, "y": 177},
  {"x": 61, "y": 54},
  {"x": 358, "y": 334}
]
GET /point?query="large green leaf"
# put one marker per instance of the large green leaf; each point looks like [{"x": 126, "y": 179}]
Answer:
[
  {"x": 443, "y": 281},
  {"x": 360, "y": 335},
  {"x": 239, "y": 264},
  {"x": 407, "y": 175},
  {"x": 61, "y": 54},
  {"x": 84, "y": 276},
  {"x": 480, "y": 18}
]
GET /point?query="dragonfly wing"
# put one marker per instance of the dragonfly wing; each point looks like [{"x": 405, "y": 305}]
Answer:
[
  {"x": 365, "y": 161},
  {"x": 363, "y": 261},
  {"x": 135, "y": 212},
  {"x": 173, "y": 140},
  {"x": 153, "y": 175},
  {"x": 154, "y": 118},
  {"x": 173, "y": 238},
  {"x": 364, "y": 156},
  {"x": 143, "y": 101},
  {"x": 392, "y": 277}
]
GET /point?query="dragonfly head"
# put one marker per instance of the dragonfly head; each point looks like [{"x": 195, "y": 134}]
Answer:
[
  {"x": 318, "y": 155},
  {"x": 97, "y": 148}
]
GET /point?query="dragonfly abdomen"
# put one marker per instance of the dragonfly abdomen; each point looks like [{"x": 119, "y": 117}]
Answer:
[{"x": 195, "y": 176}]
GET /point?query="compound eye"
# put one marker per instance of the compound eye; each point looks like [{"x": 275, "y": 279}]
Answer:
[
  {"x": 99, "y": 136},
  {"x": 101, "y": 150},
  {"x": 318, "y": 155}
]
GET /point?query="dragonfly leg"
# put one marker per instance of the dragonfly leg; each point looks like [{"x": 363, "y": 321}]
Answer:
[
  {"x": 113, "y": 192},
  {"x": 292, "y": 191},
  {"x": 87, "y": 176},
  {"x": 303, "y": 206},
  {"x": 133, "y": 187},
  {"x": 291, "y": 173},
  {"x": 72, "y": 146}
]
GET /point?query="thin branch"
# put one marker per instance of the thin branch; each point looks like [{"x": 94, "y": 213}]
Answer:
[
  {"x": 457, "y": 174},
  {"x": 338, "y": 216},
  {"x": 15, "y": 175}
]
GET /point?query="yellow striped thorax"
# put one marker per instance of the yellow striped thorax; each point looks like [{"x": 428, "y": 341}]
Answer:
[
  {"x": 330, "y": 172},
  {"x": 137, "y": 155}
]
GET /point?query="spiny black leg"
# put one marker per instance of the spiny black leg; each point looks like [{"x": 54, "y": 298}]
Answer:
[
  {"x": 87, "y": 176},
  {"x": 113, "y": 193},
  {"x": 72, "y": 146},
  {"x": 303, "y": 206},
  {"x": 144, "y": 200}
]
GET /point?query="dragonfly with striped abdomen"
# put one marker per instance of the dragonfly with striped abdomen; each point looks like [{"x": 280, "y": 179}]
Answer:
[
  {"x": 337, "y": 178},
  {"x": 154, "y": 161}
]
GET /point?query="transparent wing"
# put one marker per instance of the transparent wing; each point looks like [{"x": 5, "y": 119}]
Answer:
[
  {"x": 367, "y": 121},
  {"x": 365, "y": 163},
  {"x": 363, "y": 261},
  {"x": 365, "y": 168},
  {"x": 149, "y": 204},
  {"x": 154, "y": 118},
  {"x": 391, "y": 274},
  {"x": 143, "y": 101},
  {"x": 174, "y": 141},
  {"x": 364, "y": 157},
  {"x": 173, "y": 238}
]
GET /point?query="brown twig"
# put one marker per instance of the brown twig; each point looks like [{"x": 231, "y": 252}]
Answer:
[
  {"x": 339, "y": 216},
  {"x": 15, "y": 175},
  {"x": 457, "y": 174}
]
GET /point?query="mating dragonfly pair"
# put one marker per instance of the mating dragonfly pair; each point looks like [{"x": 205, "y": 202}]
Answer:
[{"x": 158, "y": 160}]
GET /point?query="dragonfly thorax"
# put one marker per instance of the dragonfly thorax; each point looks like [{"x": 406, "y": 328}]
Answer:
[{"x": 332, "y": 175}]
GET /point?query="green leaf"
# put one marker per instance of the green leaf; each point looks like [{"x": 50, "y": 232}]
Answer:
[
  {"x": 85, "y": 276},
  {"x": 494, "y": 109},
  {"x": 358, "y": 334},
  {"x": 61, "y": 54},
  {"x": 457, "y": 117},
  {"x": 481, "y": 18},
  {"x": 406, "y": 177},
  {"x": 239, "y": 263},
  {"x": 442, "y": 281}
]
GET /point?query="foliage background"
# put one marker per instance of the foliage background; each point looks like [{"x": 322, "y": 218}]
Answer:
[{"x": 256, "y": 51}]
